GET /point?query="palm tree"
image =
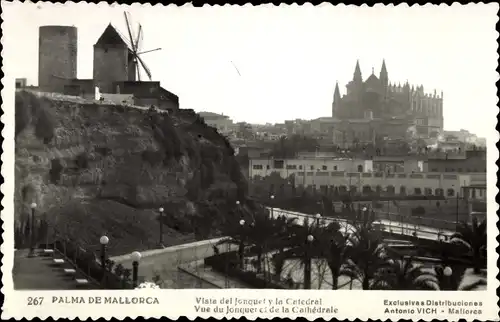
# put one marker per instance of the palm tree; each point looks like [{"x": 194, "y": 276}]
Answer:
[
  {"x": 333, "y": 247},
  {"x": 473, "y": 236},
  {"x": 404, "y": 274},
  {"x": 451, "y": 279},
  {"x": 302, "y": 245},
  {"x": 366, "y": 253}
]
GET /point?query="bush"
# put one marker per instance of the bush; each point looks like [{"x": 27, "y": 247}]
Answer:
[
  {"x": 82, "y": 161},
  {"x": 55, "y": 171},
  {"x": 23, "y": 114},
  {"x": 44, "y": 127}
]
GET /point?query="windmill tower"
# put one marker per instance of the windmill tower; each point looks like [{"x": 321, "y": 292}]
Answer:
[{"x": 117, "y": 59}]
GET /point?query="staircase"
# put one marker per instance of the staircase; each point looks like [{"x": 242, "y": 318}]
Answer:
[{"x": 47, "y": 270}]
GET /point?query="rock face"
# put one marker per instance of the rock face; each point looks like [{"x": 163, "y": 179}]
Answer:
[{"x": 95, "y": 168}]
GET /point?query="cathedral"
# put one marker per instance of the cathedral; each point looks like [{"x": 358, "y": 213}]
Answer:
[{"x": 388, "y": 110}]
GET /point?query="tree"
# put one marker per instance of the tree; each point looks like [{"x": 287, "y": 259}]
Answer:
[
  {"x": 23, "y": 116},
  {"x": 404, "y": 274},
  {"x": 44, "y": 127},
  {"x": 300, "y": 247},
  {"x": 366, "y": 254},
  {"x": 333, "y": 247},
  {"x": 473, "y": 236}
]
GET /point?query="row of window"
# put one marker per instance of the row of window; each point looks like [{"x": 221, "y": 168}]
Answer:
[
  {"x": 457, "y": 170},
  {"x": 391, "y": 190},
  {"x": 300, "y": 167}
]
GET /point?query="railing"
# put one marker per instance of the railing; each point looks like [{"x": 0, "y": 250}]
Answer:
[
  {"x": 40, "y": 234},
  {"x": 393, "y": 227}
]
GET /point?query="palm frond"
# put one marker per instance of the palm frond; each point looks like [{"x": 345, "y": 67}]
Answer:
[{"x": 473, "y": 286}]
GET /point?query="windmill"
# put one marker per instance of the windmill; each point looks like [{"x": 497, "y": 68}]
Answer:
[{"x": 135, "y": 49}]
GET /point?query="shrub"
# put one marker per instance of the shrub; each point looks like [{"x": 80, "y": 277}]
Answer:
[
  {"x": 152, "y": 157},
  {"x": 82, "y": 161},
  {"x": 55, "y": 171},
  {"x": 23, "y": 114},
  {"x": 44, "y": 127}
]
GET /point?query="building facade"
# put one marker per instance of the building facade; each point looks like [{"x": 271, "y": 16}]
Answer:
[
  {"x": 447, "y": 185},
  {"x": 263, "y": 167},
  {"x": 470, "y": 161}
]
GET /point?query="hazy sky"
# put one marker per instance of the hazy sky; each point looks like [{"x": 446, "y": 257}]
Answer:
[{"x": 289, "y": 57}]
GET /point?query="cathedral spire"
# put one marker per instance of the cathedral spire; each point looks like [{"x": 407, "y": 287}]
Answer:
[
  {"x": 357, "y": 73},
  {"x": 336, "y": 95},
  {"x": 384, "y": 77},
  {"x": 336, "y": 101}
]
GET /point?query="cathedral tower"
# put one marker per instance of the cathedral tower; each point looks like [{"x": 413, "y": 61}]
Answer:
[
  {"x": 384, "y": 77},
  {"x": 336, "y": 101}
]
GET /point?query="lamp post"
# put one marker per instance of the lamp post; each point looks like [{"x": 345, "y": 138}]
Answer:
[
  {"x": 447, "y": 271},
  {"x": 161, "y": 225},
  {"x": 272, "y": 204},
  {"x": 104, "y": 240},
  {"x": 136, "y": 257},
  {"x": 32, "y": 228},
  {"x": 241, "y": 245},
  {"x": 318, "y": 217},
  {"x": 307, "y": 264}
]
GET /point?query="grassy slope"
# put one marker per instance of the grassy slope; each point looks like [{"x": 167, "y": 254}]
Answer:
[{"x": 135, "y": 162}]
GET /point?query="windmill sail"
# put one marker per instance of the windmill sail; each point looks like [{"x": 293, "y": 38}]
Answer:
[{"x": 136, "y": 44}]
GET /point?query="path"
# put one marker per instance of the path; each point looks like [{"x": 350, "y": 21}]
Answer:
[{"x": 41, "y": 273}]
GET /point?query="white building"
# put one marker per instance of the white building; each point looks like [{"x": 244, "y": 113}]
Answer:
[{"x": 261, "y": 167}]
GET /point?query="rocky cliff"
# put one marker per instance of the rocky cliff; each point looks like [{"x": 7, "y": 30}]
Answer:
[{"x": 95, "y": 168}]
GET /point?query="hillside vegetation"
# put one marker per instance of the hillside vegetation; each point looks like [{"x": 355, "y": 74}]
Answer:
[{"x": 95, "y": 168}]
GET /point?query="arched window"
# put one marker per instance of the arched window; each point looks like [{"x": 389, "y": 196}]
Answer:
[
  {"x": 439, "y": 192},
  {"x": 360, "y": 168},
  {"x": 378, "y": 189},
  {"x": 353, "y": 190},
  {"x": 391, "y": 190},
  {"x": 418, "y": 191},
  {"x": 342, "y": 189},
  {"x": 402, "y": 190},
  {"x": 450, "y": 192}
]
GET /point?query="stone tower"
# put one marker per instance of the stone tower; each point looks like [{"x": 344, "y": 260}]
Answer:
[
  {"x": 113, "y": 61},
  {"x": 57, "y": 57}
]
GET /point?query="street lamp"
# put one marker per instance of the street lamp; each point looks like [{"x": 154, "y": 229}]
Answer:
[
  {"x": 447, "y": 271},
  {"x": 307, "y": 266},
  {"x": 136, "y": 257},
  {"x": 161, "y": 226},
  {"x": 241, "y": 246},
  {"x": 237, "y": 202},
  {"x": 318, "y": 217},
  {"x": 272, "y": 203},
  {"x": 32, "y": 228},
  {"x": 104, "y": 240}
]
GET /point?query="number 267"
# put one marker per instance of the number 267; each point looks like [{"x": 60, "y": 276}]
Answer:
[{"x": 35, "y": 300}]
